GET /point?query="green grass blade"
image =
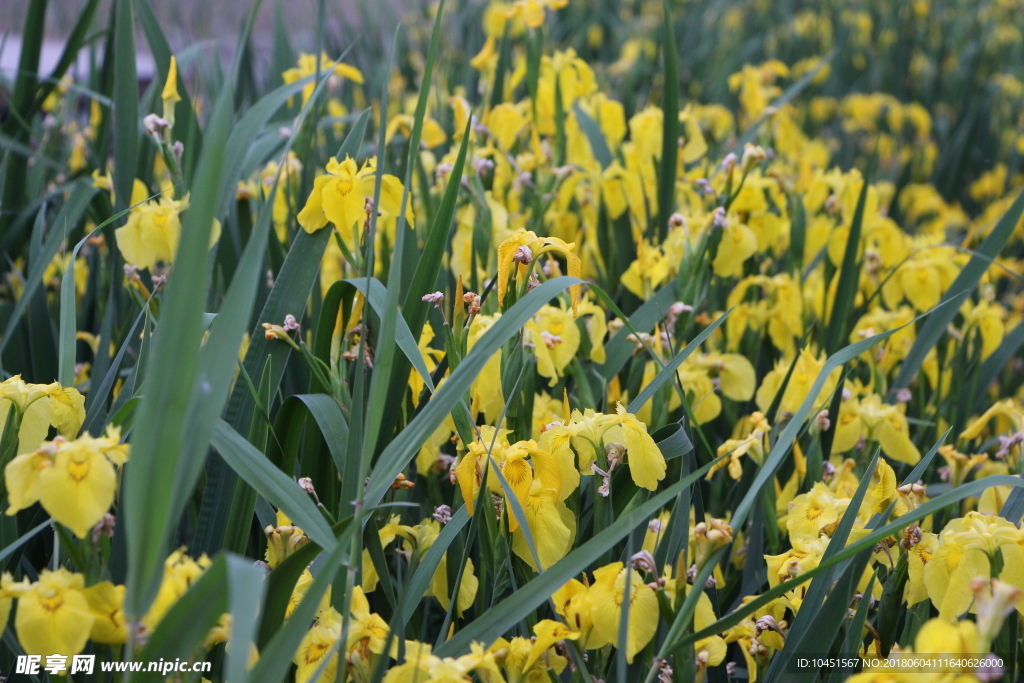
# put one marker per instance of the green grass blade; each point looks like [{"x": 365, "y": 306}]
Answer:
[
  {"x": 598, "y": 143},
  {"x": 157, "y": 438},
  {"x": 25, "y": 84},
  {"x": 840, "y": 317},
  {"x": 25, "y": 538},
  {"x": 372, "y": 416},
  {"x": 919, "y": 469},
  {"x": 425, "y": 278},
  {"x": 379, "y": 301},
  {"x": 96, "y": 403},
  {"x": 280, "y": 585},
  {"x": 216, "y": 362},
  {"x": 619, "y": 349},
  {"x": 289, "y": 296},
  {"x": 990, "y": 369},
  {"x": 186, "y": 127},
  {"x": 245, "y": 587},
  {"x": 69, "y": 54},
  {"x": 808, "y": 623},
  {"x": 126, "y": 103},
  {"x": 272, "y": 483},
  {"x": 245, "y": 132},
  {"x": 283, "y": 57},
  {"x": 332, "y": 424},
  {"x": 419, "y": 582},
  {"x": 670, "y": 123}
]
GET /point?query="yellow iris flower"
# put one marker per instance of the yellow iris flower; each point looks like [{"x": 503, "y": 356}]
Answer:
[
  {"x": 73, "y": 480},
  {"x": 965, "y": 550},
  {"x": 180, "y": 572},
  {"x": 316, "y": 645},
  {"x": 53, "y": 615},
  {"x": 40, "y": 406},
  {"x": 869, "y": 418},
  {"x": 555, "y": 340},
  {"x": 339, "y": 197},
  {"x": 800, "y": 383},
  {"x": 606, "y": 595},
  {"x": 307, "y": 67},
  {"x": 646, "y": 463},
  {"x": 523, "y": 247},
  {"x": 532, "y": 11},
  {"x": 106, "y": 602},
  {"x": 170, "y": 94},
  {"x": 153, "y": 231}
]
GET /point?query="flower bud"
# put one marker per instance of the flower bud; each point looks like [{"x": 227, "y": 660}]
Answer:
[
  {"x": 282, "y": 542},
  {"x": 710, "y": 535},
  {"x": 752, "y": 155},
  {"x": 155, "y": 125}
]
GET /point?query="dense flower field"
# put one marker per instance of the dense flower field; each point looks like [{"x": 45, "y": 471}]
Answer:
[{"x": 532, "y": 340}]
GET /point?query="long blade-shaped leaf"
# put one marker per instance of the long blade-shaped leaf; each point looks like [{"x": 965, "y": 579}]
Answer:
[{"x": 157, "y": 437}]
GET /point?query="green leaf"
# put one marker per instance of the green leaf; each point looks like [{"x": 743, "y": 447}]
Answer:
[
  {"x": 186, "y": 127},
  {"x": 424, "y": 278},
  {"x": 157, "y": 437},
  {"x": 381, "y": 388},
  {"x": 818, "y": 625},
  {"x": 273, "y": 484},
  {"x": 289, "y": 296},
  {"x": 184, "y": 627},
  {"x": 245, "y": 585},
  {"x": 595, "y": 136},
  {"x": 281, "y": 585},
  {"x": 216, "y": 364},
  {"x": 400, "y": 332},
  {"x": 990, "y": 369},
  {"x": 419, "y": 582},
  {"x": 20, "y": 112},
  {"x": 841, "y": 313},
  {"x": 68, "y": 323},
  {"x": 126, "y": 104},
  {"x": 670, "y": 123},
  {"x": 69, "y": 54},
  {"x": 22, "y": 540},
  {"x": 245, "y": 132},
  {"x": 332, "y": 424},
  {"x": 619, "y": 348}
]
